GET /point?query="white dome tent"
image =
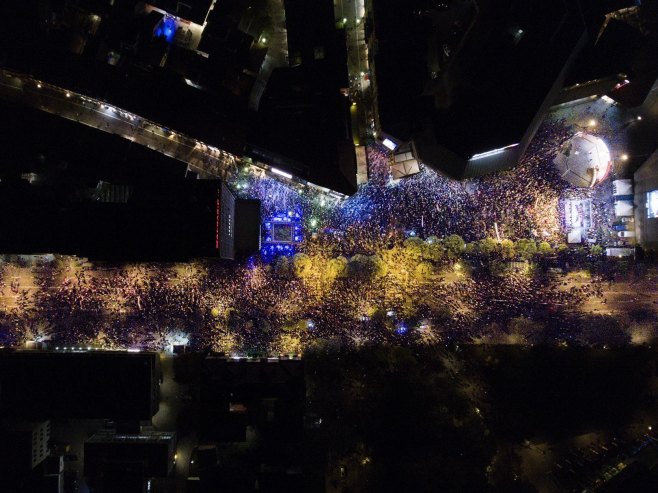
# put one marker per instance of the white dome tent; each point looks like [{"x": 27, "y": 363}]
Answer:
[{"x": 584, "y": 161}]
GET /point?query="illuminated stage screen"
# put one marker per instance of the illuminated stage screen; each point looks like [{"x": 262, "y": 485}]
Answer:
[
  {"x": 578, "y": 214},
  {"x": 282, "y": 233}
]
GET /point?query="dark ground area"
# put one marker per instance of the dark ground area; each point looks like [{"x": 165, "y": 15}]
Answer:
[
  {"x": 550, "y": 394},
  {"x": 395, "y": 420}
]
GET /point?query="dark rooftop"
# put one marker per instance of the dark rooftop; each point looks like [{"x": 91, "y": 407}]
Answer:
[
  {"x": 87, "y": 384},
  {"x": 192, "y": 10},
  {"x": 470, "y": 76}
]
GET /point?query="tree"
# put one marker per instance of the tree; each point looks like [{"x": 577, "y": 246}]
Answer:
[
  {"x": 454, "y": 245},
  {"x": 433, "y": 249},
  {"x": 526, "y": 330},
  {"x": 366, "y": 267},
  {"x": 506, "y": 249},
  {"x": 424, "y": 271},
  {"x": 497, "y": 267},
  {"x": 378, "y": 266},
  {"x": 525, "y": 248},
  {"x": 336, "y": 267},
  {"x": 413, "y": 248},
  {"x": 596, "y": 250},
  {"x": 486, "y": 246},
  {"x": 545, "y": 248},
  {"x": 302, "y": 266}
]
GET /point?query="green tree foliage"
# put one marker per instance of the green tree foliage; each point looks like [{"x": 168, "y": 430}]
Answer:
[
  {"x": 413, "y": 248},
  {"x": 506, "y": 249},
  {"x": 424, "y": 271},
  {"x": 366, "y": 267},
  {"x": 378, "y": 266},
  {"x": 356, "y": 266},
  {"x": 454, "y": 245},
  {"x": 528, "y": 331},
  {"x": 497, "y": 267},
  {"x": 525, "y": 248},
  {"x": 486, "y": 247},
  {"x": 336, "y": 267},
  {"x": 544, "y": 248},
  {"x": 596, "y": 250},
  {"x": 433, "y": 249},
  {"x": 302, "y": 266}
]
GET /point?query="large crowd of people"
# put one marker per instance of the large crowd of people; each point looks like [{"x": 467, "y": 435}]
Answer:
[{"x": 249, "y": 307}]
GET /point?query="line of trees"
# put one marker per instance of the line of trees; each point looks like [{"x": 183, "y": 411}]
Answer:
[{"x": 420, "y": 258}]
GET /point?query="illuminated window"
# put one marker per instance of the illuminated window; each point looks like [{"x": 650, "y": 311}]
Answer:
[
  {"x": 652, "y": 204},
  {"x": 390, "y": 144}
]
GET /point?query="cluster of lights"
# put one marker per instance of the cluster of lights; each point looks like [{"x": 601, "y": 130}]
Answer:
[
  {"x": 73, "y": 348},
  {"x": 274, "y": 246},
  {"x": 167, "y": 29},
  {"x": 401, "y": 328}
]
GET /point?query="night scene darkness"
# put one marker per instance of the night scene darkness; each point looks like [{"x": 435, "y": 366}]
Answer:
[{"x": 341, "y": 246}]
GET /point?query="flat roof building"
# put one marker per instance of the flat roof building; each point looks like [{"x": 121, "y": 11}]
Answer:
[
  {"x": 108, "y": 456},
  {"x": 79, "y": 384},
  {"x": 268, "y": 393}
]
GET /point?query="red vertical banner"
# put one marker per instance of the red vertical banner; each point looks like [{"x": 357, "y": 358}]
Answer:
[{"x": 217, "y": 219}]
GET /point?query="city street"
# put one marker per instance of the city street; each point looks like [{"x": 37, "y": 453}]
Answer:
[{"x": 174, "y": 415}]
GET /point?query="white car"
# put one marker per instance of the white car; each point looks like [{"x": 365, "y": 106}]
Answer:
[{"x": 626, "y": 234}]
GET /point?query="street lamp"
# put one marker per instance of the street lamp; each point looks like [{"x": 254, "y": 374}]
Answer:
[{"x": 624, "y": 157}]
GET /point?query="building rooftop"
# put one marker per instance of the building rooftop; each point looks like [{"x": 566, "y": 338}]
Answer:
[
  {"x": 192, "y": 10},
  {"x": 78, "y": 384},
  {"x": 468, "y": 77}
]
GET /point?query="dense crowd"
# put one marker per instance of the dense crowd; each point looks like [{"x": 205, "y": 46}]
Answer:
[{"x": 251, "y": 307}]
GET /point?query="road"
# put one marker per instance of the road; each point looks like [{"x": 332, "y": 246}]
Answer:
[
  {"x": 350, "y": 14},
  {"x": 174, "y": 415}
]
